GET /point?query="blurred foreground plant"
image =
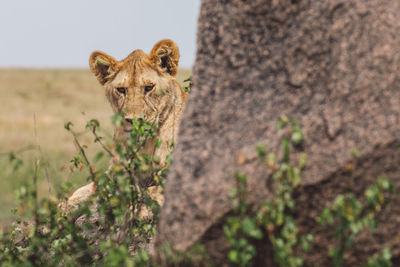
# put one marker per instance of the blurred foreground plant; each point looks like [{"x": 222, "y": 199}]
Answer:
[{"x": 109, "y": 228}]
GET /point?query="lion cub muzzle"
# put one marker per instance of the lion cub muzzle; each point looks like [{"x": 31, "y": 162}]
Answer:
[{"x": 127, "y": 124}]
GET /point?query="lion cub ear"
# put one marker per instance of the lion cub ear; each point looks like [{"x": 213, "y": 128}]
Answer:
[
  {"x": 165, "y": 55},
  {"x": 102, "y": 65}
]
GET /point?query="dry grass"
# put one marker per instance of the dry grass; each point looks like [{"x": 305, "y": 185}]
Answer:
[{"x": 42, "y": 101}]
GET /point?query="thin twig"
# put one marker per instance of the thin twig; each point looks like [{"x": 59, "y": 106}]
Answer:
[
  {"x": 98, "y": 139},
  {"x": 82, "y": 151},
  {"x": 46, "y": 164},
  {"x": 132, "y": 183},
  {"x": 121, "y": 236},
  {"x": 36, "y": 206}
]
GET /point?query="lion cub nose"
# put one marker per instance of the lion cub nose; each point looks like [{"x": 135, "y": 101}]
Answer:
[{"x": 129, "y": 121}]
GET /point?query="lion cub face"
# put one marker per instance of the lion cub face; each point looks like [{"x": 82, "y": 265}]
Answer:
[{"x": 140, "y": 86}]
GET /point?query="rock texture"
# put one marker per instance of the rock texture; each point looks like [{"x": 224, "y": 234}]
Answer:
[{"x": 332, "y": 65}]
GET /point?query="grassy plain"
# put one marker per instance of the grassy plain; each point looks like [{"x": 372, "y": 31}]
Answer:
[{"x": 34, "y": 106}]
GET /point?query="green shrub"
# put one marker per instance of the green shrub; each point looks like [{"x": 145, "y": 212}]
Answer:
[
  {"x": 274, "y": 216},
  {"x": 106, "y": 230},
  {"x": 350, "y": 216}
]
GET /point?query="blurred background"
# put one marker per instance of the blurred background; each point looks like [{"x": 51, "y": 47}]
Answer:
[{"x": 45, "y": 81}]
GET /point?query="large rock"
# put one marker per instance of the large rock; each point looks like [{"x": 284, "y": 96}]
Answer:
[{"x": 332, "y": 65}]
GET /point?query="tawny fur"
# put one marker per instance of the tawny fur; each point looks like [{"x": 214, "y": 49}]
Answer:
[{"x": 141, "y": 86}]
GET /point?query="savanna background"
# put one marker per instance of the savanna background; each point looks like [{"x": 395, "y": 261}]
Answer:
[{"x": 45, "y": 80}]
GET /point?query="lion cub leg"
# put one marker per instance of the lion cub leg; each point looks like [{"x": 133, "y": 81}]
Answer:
[
  {"x": 85, "y": 192},
  {"x": 80, "y": 195}
]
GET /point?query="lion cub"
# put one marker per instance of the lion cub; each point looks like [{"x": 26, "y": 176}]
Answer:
[{"x": 141, "y": 86}]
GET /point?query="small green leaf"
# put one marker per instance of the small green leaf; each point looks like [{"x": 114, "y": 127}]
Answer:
[
  {"x": 303, "y": 161},
  {"x": 233, "y": 256},
  {"x": 278, "y": 125},
  {"x": 286, "y": 150},
  {"x": 68, "y": 125},
  {"x": 250, "y": 228},
  {"x": 354, "y": 152},
  {"x": 297, "y": 137},
  {"x": 158, "y": 143},
  {"x": 99, "y": 156},
  {"x": 261, "y": 150}
]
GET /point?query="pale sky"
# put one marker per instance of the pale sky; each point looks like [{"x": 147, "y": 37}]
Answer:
[{"x": 55, "y": 33}]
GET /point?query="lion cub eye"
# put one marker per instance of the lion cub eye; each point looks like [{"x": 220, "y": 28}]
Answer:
[
  {"x": 122, "y": 90},
  {"x": 148, "y": 88}
]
